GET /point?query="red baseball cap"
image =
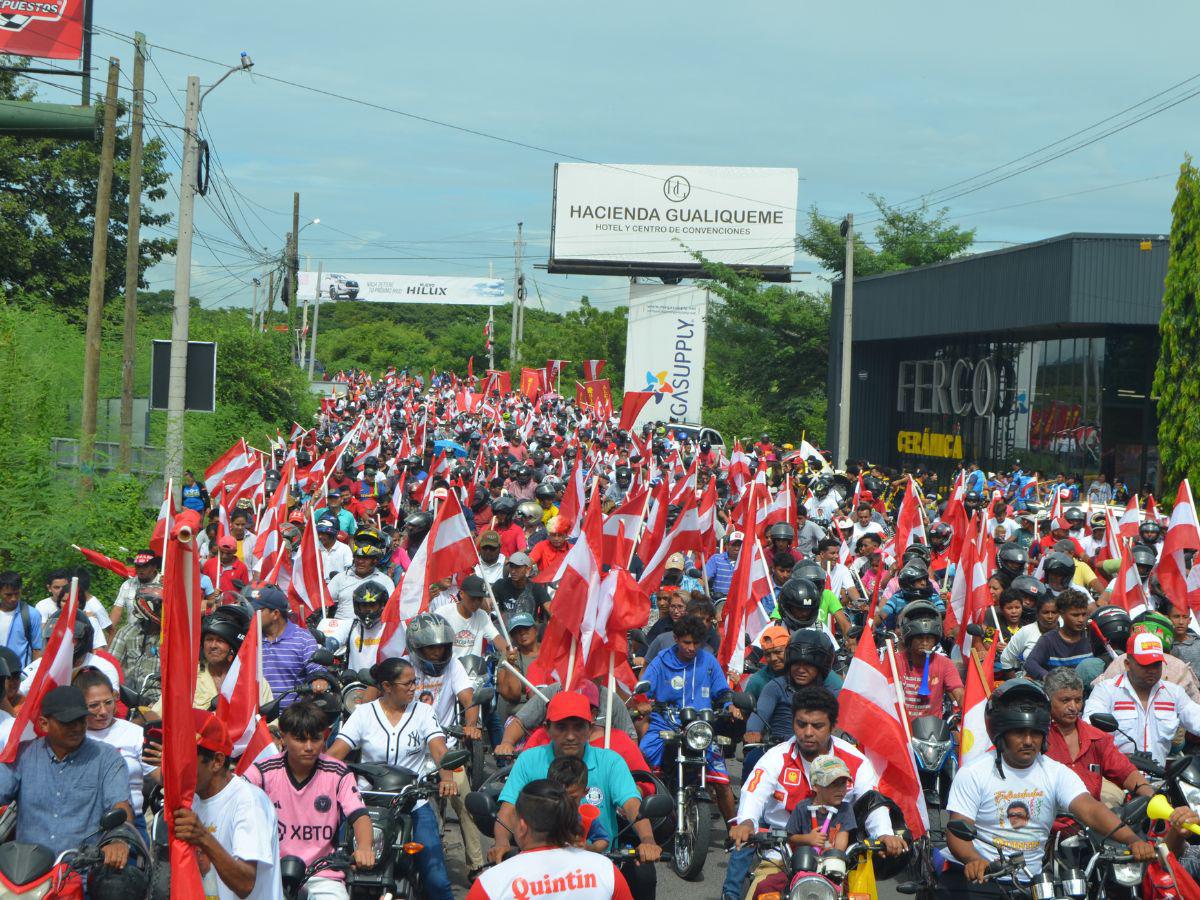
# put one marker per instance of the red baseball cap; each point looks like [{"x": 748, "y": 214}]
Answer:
[
  {"x": 211, "y": 733},
  {"x": 1146, "y": 649},
  {"x": 568, "y": 705},
  {"x": 226, "y": 543}
]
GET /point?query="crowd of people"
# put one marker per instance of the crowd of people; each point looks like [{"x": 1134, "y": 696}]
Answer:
[{"x": 1060, "y": 619}]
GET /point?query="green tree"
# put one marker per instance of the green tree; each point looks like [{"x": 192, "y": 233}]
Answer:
[
  {"x": 1176, "y": 380},
  {"x": 47, "y": 201},
  {"x": 905, "y": 238}
]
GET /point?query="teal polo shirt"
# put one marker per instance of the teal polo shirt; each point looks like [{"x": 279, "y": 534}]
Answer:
[{"x": 610, "y": 783}]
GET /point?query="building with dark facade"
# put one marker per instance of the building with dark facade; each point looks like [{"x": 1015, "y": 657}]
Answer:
[{"x": 1042, "y": 353}]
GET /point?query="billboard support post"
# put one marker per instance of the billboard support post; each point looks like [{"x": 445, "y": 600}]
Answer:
[{"x": 312, "y": 353}]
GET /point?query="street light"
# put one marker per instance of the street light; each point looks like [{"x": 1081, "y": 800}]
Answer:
[{"x": 188, "y": 175}]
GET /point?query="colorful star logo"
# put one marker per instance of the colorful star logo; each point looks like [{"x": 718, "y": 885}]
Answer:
[{"x": 658, "y": 384}]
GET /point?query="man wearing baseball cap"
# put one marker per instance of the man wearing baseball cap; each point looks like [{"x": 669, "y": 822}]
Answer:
[
  {"x": 719, "y": 568},
  {"x": 469, "y": 620},
  {"x": 232, "y": 823},
  {"x": 147, "y": 568},
  {"x": 515, "y": 593},
  {"x": 64, "y": 783},
  {"x": 569, "y": 721},
  {"x": 286, "y": 647},
  {"x": 225, "y": 570},
  {"x": 1148, "y": 708}
]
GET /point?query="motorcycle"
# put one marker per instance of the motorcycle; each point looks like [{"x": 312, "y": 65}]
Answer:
[
  {"x": 483, "y": 696},
  {"x": 294, "y": 874},
  {"x": 392, "y": 794},
  {"x": 30, "y": 870},
  {"x": 810, "y": 874},
  {"x": 937, "y": 762},
  {"x": 689, "y": 741}
]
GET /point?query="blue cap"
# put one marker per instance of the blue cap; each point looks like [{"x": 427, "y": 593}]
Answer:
[
  {"x": 328, "y": 525},
  {"x": 520, "y": 620},
  {"x": 268, "y": 596}
]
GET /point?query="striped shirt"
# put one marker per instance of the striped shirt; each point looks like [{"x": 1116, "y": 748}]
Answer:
[
  {"x": 285, "y": 659},
  {"x": 719, "y": 570}
]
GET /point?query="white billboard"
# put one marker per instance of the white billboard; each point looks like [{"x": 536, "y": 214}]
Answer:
[
  {"x": 633, "y": 219},
  {"x": 464, "y": 291},
  {"x": 664, "y": 350}
]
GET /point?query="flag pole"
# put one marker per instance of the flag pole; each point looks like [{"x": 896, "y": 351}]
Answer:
[
  {"x": 891, "y": 656},
  {"x": 608, "y": 709},
  {"x": 571, "y": 663}
]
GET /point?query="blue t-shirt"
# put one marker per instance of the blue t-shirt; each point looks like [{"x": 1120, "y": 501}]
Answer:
[{"x": 610, "y": 783}]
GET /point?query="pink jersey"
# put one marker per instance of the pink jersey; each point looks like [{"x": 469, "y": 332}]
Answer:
[{"x": 309, "y": 814}]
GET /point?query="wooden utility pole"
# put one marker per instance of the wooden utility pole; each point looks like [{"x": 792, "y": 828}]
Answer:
[
  {"x": 293, "y": 264},
  {"x": 132, "y": 254},
  {"x": 91, "y": 358},
  {"x": 270, "y": 301}
]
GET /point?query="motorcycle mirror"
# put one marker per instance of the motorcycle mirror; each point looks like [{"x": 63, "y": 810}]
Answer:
[
  {"x": 962, "y": 830},
  {"x": 976, "y": 631},
  {"x": 742, "y": 701},
  {"x": 481, "y": 805},
  {"x": 483, "y": 696},
  {"x": 657, "y": 806},
  {"x": 1106, "y": 722},
  {"x": 114, "y": 818},
  {"x": 1135, "y": 810},
  {"x": 455, "y": 759},
  {"x": 131, "y": 698},
  {"x": 322, "y": 658},
  {"x": 270, "y": 712},
  {"x": 364, "y": 675},
  {"x": 642, "y": 687},
  {"x": 637, "y": 636}
]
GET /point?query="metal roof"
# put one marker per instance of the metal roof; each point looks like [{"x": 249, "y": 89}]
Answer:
[{"x": 1075, "y": 279}]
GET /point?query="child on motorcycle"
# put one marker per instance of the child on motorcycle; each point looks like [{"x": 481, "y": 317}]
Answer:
[
  {"x": 571, "y": 773},
  {"x": 826, "y": 820}
]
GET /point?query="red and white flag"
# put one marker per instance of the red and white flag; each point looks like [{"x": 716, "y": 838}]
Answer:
[
  {"x": 910, "y": 526},
  {"x": 53, "y": 670},
  {"x": 868, "y": 712},
  {"x": 738, "y": 603},
  {"x": 1183, "y": 534},
  {"x": 1131, "y": 519},
  {"x": 683, "y": 537},
  {"x": 739, "y": 470},
  {"x": 1128, "y": 592},
  {"x": 593, "y": 368},
  {"x": 708, "y": 518},
  {"x": 371, "y": 448},
  {"x": 570, "y": 510},
  {"x": 309, "y": 592},
  {"x": 235, "y": 458},
  {"x": 237, "y": 704},
  {"x": 621, "y": 527},
  {"x": 115, "y": 566},
  {"x": 621, "y": 606},
  {"x": 973, "y": 740}
]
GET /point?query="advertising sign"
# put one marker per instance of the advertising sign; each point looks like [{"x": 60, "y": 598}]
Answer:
[
  {"x": 649, "y": 220},
  {"x": 456, "y": 290},
  {"x": 48, "y": 29},
  {"x": 664, "y": 350}
]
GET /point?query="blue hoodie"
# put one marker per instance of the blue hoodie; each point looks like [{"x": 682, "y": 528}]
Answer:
[{"x": 699, "y": 684}]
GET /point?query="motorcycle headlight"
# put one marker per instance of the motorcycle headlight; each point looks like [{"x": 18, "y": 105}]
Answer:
[
  {"x": 377, "y": 841},
  {"x": 931, "y": 753},
  {"x": 1191, "y": 793},
  {"x": 698, "y": 736},
  {"x": 812, "y": 887},
  {"x": 1128, "y": 874},
  {"x": 351, "y": 697}
]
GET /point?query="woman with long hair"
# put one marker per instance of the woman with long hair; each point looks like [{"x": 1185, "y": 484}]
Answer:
[{"x": 551, "y": 861}]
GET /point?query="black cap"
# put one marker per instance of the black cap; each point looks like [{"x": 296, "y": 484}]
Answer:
[
  {"x": 474, "y": 586},
  {"x": 64, "y": 704}
]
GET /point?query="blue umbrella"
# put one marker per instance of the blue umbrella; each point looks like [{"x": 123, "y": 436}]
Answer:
[{"x": 445, "y": 446}]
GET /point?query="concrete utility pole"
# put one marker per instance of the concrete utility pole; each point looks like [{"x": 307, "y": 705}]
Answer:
[
  {"x": 293, "y": 264},
  {"x": 491, "y": 342},
  {"x": 270, "y": 301},
  {"x": 132, "y": 254},
  {"x": 254, "y": 309},
  {"x": 312, "y": 352},
  {"x": 518, "y": 324},
  {"x": 91, "y": 359},
  {"x": 843, "y": 442}
]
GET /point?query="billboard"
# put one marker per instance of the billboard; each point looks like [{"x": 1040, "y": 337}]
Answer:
[
  {"x": 649, "y": 220},
  {"x": 458, "y": 290},
  {"x": 664, "y": 350},
  {"x": 200, "y": 378},
  {"x": 49, "y": 29}
]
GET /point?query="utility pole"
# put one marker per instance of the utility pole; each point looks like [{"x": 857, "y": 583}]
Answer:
[
  {"x": 293, "y": 264},
  {"x": 491, "y": 341},
  {"x": 514, "y": 349},
  {"x": 843, "y": 442},
  {"x": 254, "y": 309},
  {"x": 270, "y": 301},
  {"x": 177, "y": 393},
  {"x": 132, "y": 254},
  {"x": 312, "y": 353},
  {"x": 91, "y": 359}
]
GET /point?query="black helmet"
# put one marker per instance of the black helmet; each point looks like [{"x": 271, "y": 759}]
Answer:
[
  {"x": 624, "y": 475},
  {"x": 1075, "y": 516},
  {"x": 369, "y": 598},
  {"x": 912, "y": 572},
  {"x": 1114, "y": 623},
  {"x": 808, "y": 645},
  {"x": 973, "y": 500},
  {"x": 1018, "y": 703},
  {"x": 369, "y": 537},
  {"x": 131, "y": 880},
  {"x": 939, "y": 535},
  {"x": 148, "y": 602},
  {"x": 781, "y": 531},
  {"x": 429, "y": 630},
  {"x": 810, "y": 569},
  {"x": 919, "y": 618},
  {"x": 1012, "y": 558},
  {"x": 1149, "y": 531},
  {"x": 917, "y": 551},
  {"x": 504, "y": 506},
  {"x": 271, "y": 481},
  {"x": 1059, "y": 564},
  {"x": 545, "y": 491},
  {"x": 1143, "y": 555},
  {"x": 799, "y": 601},
  {"x": 419, "y": 522},
  {"x": 1030, "y": 587},
  {"x": 230, "y": 623}
]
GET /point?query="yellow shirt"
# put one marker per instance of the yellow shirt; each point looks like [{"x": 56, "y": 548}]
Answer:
[{"x": 1083, "y": 574}]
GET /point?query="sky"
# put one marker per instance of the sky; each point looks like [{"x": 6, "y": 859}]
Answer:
[{"x": 900, "y": 100}]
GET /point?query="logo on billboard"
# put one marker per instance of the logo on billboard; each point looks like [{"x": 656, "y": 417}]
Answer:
[
  {"x": 677, "y": 188},
  {"x": 658, "y": 384},
  {"x": 16, "y": 14}
]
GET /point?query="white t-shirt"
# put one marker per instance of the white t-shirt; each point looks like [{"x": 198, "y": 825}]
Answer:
[
  {"x": 342, "y": 587},
  {"x": 441, "y": 691},
  {"x": 126, "y": 737},
  {"x": 1018, "y": 810},
  {"x": 242, "y": 819},
  {"x": 405, "y": 744},
  {"x": 92, "y": 660},
  {"x": 871, "y": 527},
  {"x": 95, "y": 612},
  {"x": 468, "y": 633},
  {"x": 6, "y": 620},
  {"x": 364, "y": 643},
  {"x": 336, "y": 560},
  {"x": 591, "y": 876}
]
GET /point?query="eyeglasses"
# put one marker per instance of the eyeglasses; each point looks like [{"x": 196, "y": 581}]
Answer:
[{"x": 405, "y": 684}]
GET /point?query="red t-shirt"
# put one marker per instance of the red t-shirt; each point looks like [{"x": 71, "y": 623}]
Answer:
[
  {"x": 1098, "y": 757},
  {"x": 548, "y": 560},
  {"x": 512, "y": 539},
  {"x": 223, "y": 577},
  {"x": 943, "y": 677}
]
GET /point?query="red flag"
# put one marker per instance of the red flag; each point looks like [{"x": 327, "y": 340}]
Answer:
[
  {"x": 683, "y": 536},
  {"x": 592, "y": 368},
  {"x": 54, "y": 669},
  {"x": 182, "y": 602},
  {"x": 1131, "y": 519},
  {"x": 631, "y": 406},
  {"x": 1182, "y": 534},
  {"x": 909, "y": 524},
  {"x": 309, "y": 591},
  {"x": 626, "y": 606},
  {"x": 868, "y": 712},
  {"x": 570, "y": 510},
  {"x": 656, "y": 522},
  {"x": 973, "y": 739},
  {"x": 597, "y": 396},
  {"x": 236, "y": 457},
  {"x": 1128, "y": 592},
  {"x": 708, "y": 517},
  {"x": 732, "y": 651},
  {"x": 955, "y": 516},
  {"x": 533, "y": 383},
  {"x": 106, "y": 562},
  {"x": 471, "y": 369},
  {"x": 621, "y": 528},
  {"x": 237, "y": 704}
]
